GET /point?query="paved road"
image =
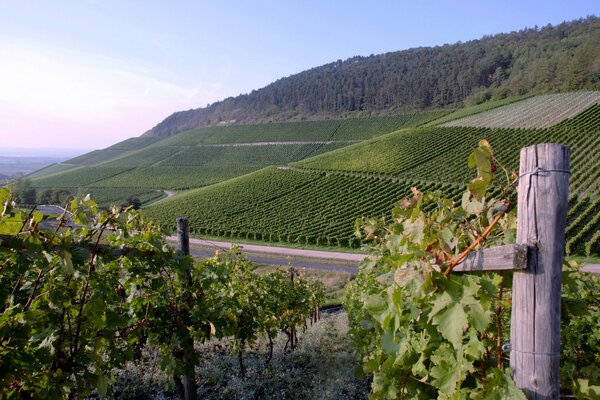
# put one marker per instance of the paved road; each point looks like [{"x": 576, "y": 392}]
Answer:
[
  {"x": 285, "y": 251},
  {"x": 55, "y": 211},
  {"x": 298, "y": 258},
  {"x": 312, "y": 259},
  {"x": 595, "y": 268}
]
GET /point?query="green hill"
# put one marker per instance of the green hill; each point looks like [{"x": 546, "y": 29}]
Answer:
[
  {"x": 306, "y": 182},
  {"x": 210, "y": 155},
  {"x": 315, "y": 201},
  {"x": 551, "y": 59}
]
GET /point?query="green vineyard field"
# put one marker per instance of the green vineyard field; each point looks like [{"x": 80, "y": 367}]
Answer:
[
  {"x": 536, "y": 112},
  {"x": 209, "y": 155},
  {"x": 367, "y": 178},
  {"x": 289, "y": 206},
  {"x": 440, "y": 153},
  {"x": 333, "y": 171}
]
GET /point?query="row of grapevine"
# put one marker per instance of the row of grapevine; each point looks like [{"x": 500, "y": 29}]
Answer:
[
  {"x": 536, "y": 112},
  {"x": 95, "y": 157},
  {"x": 146, "y": 151},
  {"x": 182, "y": 168},
  {"x": 305, "y": 207},
  {"x": 144, "y": 158},
  {"x": 74, "y": 310},
  {"x": 82, "y": 176},
  {"x": 583, "y": 226},
  {"x": 437, "y": 153},
  {"x": 51, "y": 169},
  {"x": 424, "y": 331},
  {"x": 105, "y": 197},
  {"x": 473, "y": 110},
  {"x": 316, "y": 209},
  {"x": 248, "y": 156},
  {"x": 335, "y": 129},
  {"x": 585, "y": 120},
  {"x": 116, "y": 150}
]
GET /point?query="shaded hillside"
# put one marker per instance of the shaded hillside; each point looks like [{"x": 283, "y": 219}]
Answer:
[{"x": 551, "y": 59}]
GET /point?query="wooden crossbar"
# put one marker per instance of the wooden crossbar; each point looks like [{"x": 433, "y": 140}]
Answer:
[{"x": 499, "y": 258}]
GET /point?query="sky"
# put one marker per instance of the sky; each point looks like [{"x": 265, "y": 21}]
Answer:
[{"x": 86, "y": 74}]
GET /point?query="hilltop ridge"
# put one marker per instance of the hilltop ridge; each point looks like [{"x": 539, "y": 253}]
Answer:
[{"x": 560, "y": 58}]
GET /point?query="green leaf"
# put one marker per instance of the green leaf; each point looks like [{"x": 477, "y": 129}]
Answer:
[
  {"x": 478, "y": 187},
  {"x": 474, "y": 348},
  {"x": 102, "y": 386},
  {"x": 586, "y": 390},
  {"x": 445, "y": 370},
  {"x": 451, "y": 323},
  {"x": 375, "y": 304},
  {"x": 415, "y": 229},
  {"x": 67, "y": 263},
  {"x": 388, "y": 345},
  {"x": 440, "y": 302},
  {"x": 478, "y": 318}
]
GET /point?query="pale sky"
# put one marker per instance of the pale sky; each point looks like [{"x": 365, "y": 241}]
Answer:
[{"x": 87, "y": 74}]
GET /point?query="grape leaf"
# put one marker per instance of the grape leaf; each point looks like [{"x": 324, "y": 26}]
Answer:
[{"x": 451, "y": 323}]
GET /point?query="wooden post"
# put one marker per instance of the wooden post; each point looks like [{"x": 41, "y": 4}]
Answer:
[
  {"x": 183, "y": 235},
  {"x": 535, "y": 327},
  {"x": 188, "y": 380}
]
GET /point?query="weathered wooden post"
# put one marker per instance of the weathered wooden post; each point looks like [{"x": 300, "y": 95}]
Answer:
[
  {"x": 188, "y": 380},
  {"x": 183, "y": 235},
  {"x": 535, "y": 327}
]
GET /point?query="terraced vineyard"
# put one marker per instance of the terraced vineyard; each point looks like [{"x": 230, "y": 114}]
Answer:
[
  {"x": 535, "y": 112},
  {"x": 367, "y": 178},
  {"x": 289, "y": 206},
  {"x": 51, "y": 169},
  {"x": 334, "y": 171},
  {"x": 440, "y": 153},
  {"x": 116, "y": 150},
  {"x": 210, "y": 155},
  {"x": 105, "y": 197},
  {"x": 328, "y": 130}
]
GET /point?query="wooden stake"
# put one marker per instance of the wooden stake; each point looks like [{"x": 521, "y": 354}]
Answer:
[
  {"x": 183, "y": 235},
  {"x": 188, "y": 379},
  {"x": 535, "y": 328}
]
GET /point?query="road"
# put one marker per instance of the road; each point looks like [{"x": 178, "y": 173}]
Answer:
[
  {"x": 595, "y": 268},
  {"x": 298, "y": 258},
  {"x": 56, "y": 211}
]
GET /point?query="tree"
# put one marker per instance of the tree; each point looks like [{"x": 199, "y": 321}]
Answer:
[
  {"x": 54, "y": 196},
  {"x": 134, "y": 202},
  {"x": 23, "y": 192}
]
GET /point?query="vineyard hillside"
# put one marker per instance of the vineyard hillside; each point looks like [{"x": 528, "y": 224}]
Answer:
[
  {"x": 142, "y": 167},
  {"x": 316, "y": 200},
  {"x": 537, "y": 112}
]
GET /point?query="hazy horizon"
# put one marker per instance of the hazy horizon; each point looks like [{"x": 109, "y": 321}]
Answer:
[{"x": 42, "y": 151}]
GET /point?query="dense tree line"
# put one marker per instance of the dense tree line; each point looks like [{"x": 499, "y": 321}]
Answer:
[{"x": 565, "y": 57}]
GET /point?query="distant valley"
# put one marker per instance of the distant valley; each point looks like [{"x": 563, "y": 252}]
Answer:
[{"x": 22, "y": 161}]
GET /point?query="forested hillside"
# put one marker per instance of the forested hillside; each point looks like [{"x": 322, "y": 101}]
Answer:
[{"x": 558, "y": 58}]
